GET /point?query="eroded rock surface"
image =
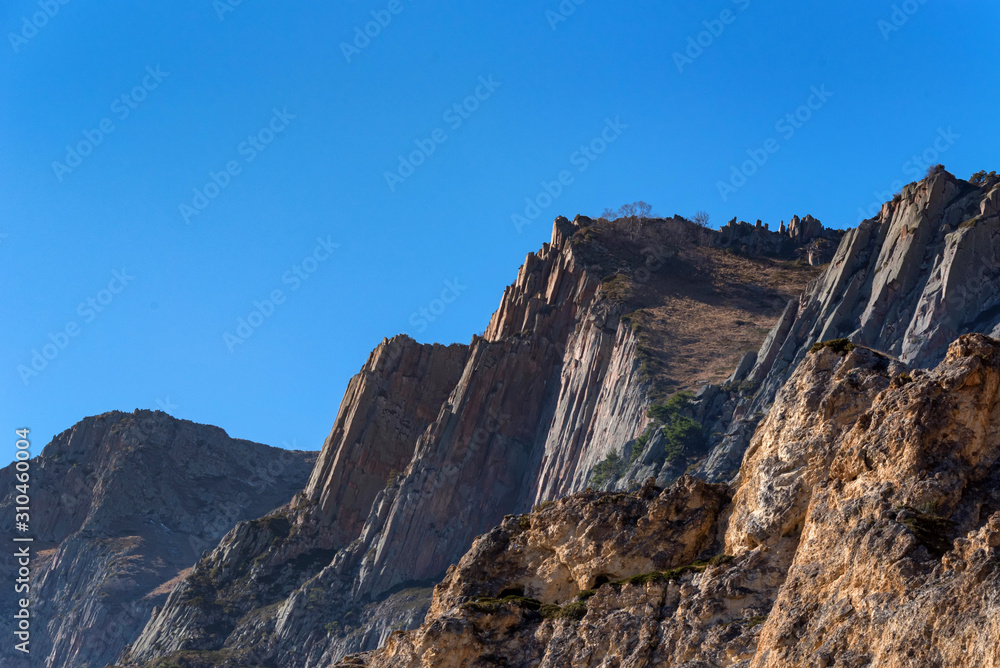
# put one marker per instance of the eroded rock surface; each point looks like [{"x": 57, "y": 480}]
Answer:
[{"x": 863, "y": 530}]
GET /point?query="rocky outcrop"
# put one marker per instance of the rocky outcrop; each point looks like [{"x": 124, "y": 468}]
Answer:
[
  {"x": 803, "y": 238},
  {"x": 387, "y": 406},
  {"x": 907, "y": 282},
  {"x": 864, "y": 529},
  {"x": 122, "y": 505}
]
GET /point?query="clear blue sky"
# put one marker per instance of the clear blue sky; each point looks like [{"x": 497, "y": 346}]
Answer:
[{"x": 158, "y": 339}]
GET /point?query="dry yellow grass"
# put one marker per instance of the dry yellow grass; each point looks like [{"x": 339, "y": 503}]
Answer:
[{"x": 697, "y": 308}]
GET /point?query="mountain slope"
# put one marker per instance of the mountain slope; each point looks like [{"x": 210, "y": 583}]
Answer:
[
  {"x": 123, "y": 505},
  {"x": 408, "y": 479},
  {"x": 864, "y": 529}
]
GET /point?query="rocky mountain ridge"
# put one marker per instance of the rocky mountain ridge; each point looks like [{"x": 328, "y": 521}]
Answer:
[
  {"x": 124, "y": 504},
  {"x": 408, "y": 479},
  {"x": 574, "y": 385},
  {"x": 907, "y": 282}
]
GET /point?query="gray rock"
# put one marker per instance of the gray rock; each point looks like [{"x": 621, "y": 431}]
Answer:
[{"x": 905, "y": 283}]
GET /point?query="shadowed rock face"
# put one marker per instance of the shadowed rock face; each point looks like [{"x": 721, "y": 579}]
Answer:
[
  {"x": 122, "y": 505},
  {"x": 864, "y": 529},
  {"x": 907, "y": 282}
]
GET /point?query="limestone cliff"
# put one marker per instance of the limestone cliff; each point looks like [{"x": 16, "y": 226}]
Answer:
[
  {"x": 863, "y": 529},
  {"x": 123, "y": 504}
]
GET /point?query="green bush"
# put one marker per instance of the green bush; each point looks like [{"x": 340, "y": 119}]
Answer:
[
  {"x": 674, "y": 573},
  {"x": 676, "y": 405},
  {"x": 488, "y": 605},
  {"x": 575, "y": 610},
  {"x": 981, "y": 178},
  {"x": 681, "y": 437},
  {"x": 617, "y": 287},
  {"x": 610, "y": 469},
  {"x": 930, "y": 529}
]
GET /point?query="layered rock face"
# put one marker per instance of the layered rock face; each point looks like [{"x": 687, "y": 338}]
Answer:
[
  {"x": 908, "y": 282},
  {"x": 122, "y": 505},
  {"x": 433, "y": 446},
  {"x": 387, "y": 406},
  {"x": 864, "y": 529}
]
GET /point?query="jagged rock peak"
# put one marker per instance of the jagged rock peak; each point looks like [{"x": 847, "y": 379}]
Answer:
[{"x": 907, "y": 283}]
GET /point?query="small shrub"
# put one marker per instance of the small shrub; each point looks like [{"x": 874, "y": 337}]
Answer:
[
  {"x": 677, "y": 403},
  {"x": 488, "y": 605},
  {"x": 930, "y": 530},
  {"x": 575, "y": 610},
  {"x": 617, "y": 287},
  {"x": 682, "y": 436},
  {"x": 608, "y": 470},
  {"x": 982, "y": 178},
  {"x": 840, "y": 346},
  {"x": 673, "y": 573}
]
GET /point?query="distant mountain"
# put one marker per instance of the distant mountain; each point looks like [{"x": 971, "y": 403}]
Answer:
[{"x": 122, "y": 506}]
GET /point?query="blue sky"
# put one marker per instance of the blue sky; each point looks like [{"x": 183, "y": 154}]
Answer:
[{"x": 278, "y": 138}]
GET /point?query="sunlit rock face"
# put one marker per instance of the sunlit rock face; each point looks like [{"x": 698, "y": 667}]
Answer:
[{"x": 863, "y": 529}]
